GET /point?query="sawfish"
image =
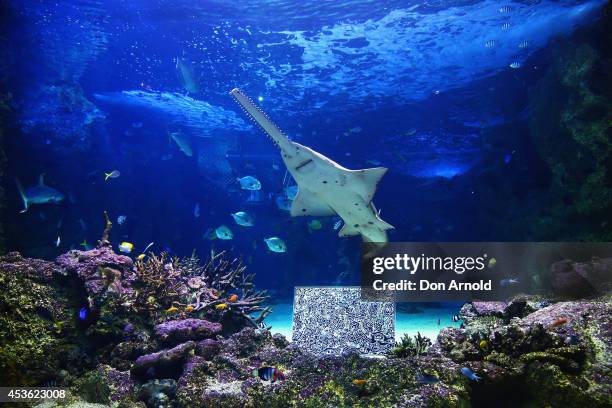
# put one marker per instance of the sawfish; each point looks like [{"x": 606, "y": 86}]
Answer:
[{"x": 325, "y": 188}]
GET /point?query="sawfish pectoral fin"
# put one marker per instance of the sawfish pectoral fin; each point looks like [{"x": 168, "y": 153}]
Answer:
[
  {"x": 307, "y": 203},
  {"x": 365, "y": 181}
]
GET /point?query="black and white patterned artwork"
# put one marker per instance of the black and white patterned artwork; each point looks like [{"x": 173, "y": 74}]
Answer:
[{"x": 334, "y": 320}]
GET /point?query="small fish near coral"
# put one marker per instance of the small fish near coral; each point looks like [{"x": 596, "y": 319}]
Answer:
[
  {"x": 221, "y": 306},
  {"x": 233, "y": 298},
  {"x": 171, "y": 310},
  {"x": 557, "y": 323},
  {"x": 271, "y": 374},
  {"x": 469, "y": 374},
  {"x": 359, "y": 382},
  {"x": 83, "y": 313},
  {"x": 126, "y": 247}
]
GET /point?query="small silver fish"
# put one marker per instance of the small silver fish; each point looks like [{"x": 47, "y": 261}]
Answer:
[
  {"x": 224, "y": 233},
  {"x": 121, "y": 219},
  {"x": 524, "y": 44},
  {"x": 276, "y": 244},
  {"x": 337, "y": 224},
  {"x": 196, "y": 210},
  {"x": 505, "y": 26},
  {"x": 243, "y": 218},
  {"x": 505, "y": 9},
  {"x": 58, "y": 241},
  {"x": 249, "y": 183},
  {"x": 515, "y": 65},
  {"x": 490, "y": 43},
  {"x": 509, "y": 282}
]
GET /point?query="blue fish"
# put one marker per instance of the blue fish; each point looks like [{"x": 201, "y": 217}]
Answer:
[
  {"x": 83, "y": 313},
  {"x": 470, "y": 374},
  {"x": 507, "y": 158}
]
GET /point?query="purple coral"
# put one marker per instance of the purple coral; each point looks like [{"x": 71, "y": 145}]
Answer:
[
  {"x": 163, "y": 357},
  {"x": 178, "y": 331}
]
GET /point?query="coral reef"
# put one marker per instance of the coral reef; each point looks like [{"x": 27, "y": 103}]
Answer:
[
  {"x": 407, "y": 346},
  {"x": 172, "y": 347}
]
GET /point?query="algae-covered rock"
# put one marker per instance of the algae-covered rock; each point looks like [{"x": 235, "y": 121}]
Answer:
[{"x": 37, "y": 322}]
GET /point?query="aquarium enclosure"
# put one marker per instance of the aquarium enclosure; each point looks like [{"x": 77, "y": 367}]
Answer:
[{"x": 302, "y": 203}]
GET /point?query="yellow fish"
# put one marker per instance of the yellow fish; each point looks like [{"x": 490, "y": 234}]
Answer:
[
  {"x": 126, "y": 247},
  {"x": 359, "y": 382},
  {"x": 189, "y": 309},
  {"x": 221, "y": 306},
  {"x": 140, "y": 257},
  {"x": 483, "y": 344},
  {"x": 492, "y": 262},
  {"x": 172, "y": 309}
]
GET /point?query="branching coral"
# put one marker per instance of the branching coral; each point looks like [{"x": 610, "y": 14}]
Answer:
[
  {"x": 408, "y": 346},
  {"x": 216, "y": 288},
  {"x": 214, "y": 280}
]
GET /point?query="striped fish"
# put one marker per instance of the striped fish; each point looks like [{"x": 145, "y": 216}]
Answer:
[{"x": 271, "y": 374}]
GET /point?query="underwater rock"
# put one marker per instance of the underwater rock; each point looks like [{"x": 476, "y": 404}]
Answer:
[
  {"x": 178, "y": 331},
  {"x": 120, "y": 384},
  {"x": 60, "y": 109},
  {"x": 165, "y": 357},
  {"x": 489, "y": 308},
  {"x": 580, "y": 279},
  {"x": 100, "y": 269},
  {"x": 157, "y": 393},
  {"x": 125, "y": 352},
  {"x": 208, "y": 348},
  {"x": 247, "y": 341},
  {"x": 280, "y": 341},
  {"x": 28, "y": 268},
  {"x": 37, "y": 325}
]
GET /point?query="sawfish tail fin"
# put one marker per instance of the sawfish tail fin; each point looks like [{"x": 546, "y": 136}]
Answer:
[{"x": 24, "y": 198}]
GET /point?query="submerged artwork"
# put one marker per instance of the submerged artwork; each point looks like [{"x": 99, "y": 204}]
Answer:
[
  {"x": 189, "y": 192},
  {"x": 333, "y": 321}
]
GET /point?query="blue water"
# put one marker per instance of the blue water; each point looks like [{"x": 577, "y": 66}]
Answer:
[{"x": 435, "y": 91}]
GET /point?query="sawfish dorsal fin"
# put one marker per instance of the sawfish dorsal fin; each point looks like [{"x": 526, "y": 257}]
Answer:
[
  {"x": 307, "y": 203},
  {"x": 41, "y": 179},
  {"x": 365, "y": 181}
]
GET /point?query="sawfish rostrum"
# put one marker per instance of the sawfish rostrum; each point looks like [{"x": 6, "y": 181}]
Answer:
[{"x": 325, "y": 187}]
